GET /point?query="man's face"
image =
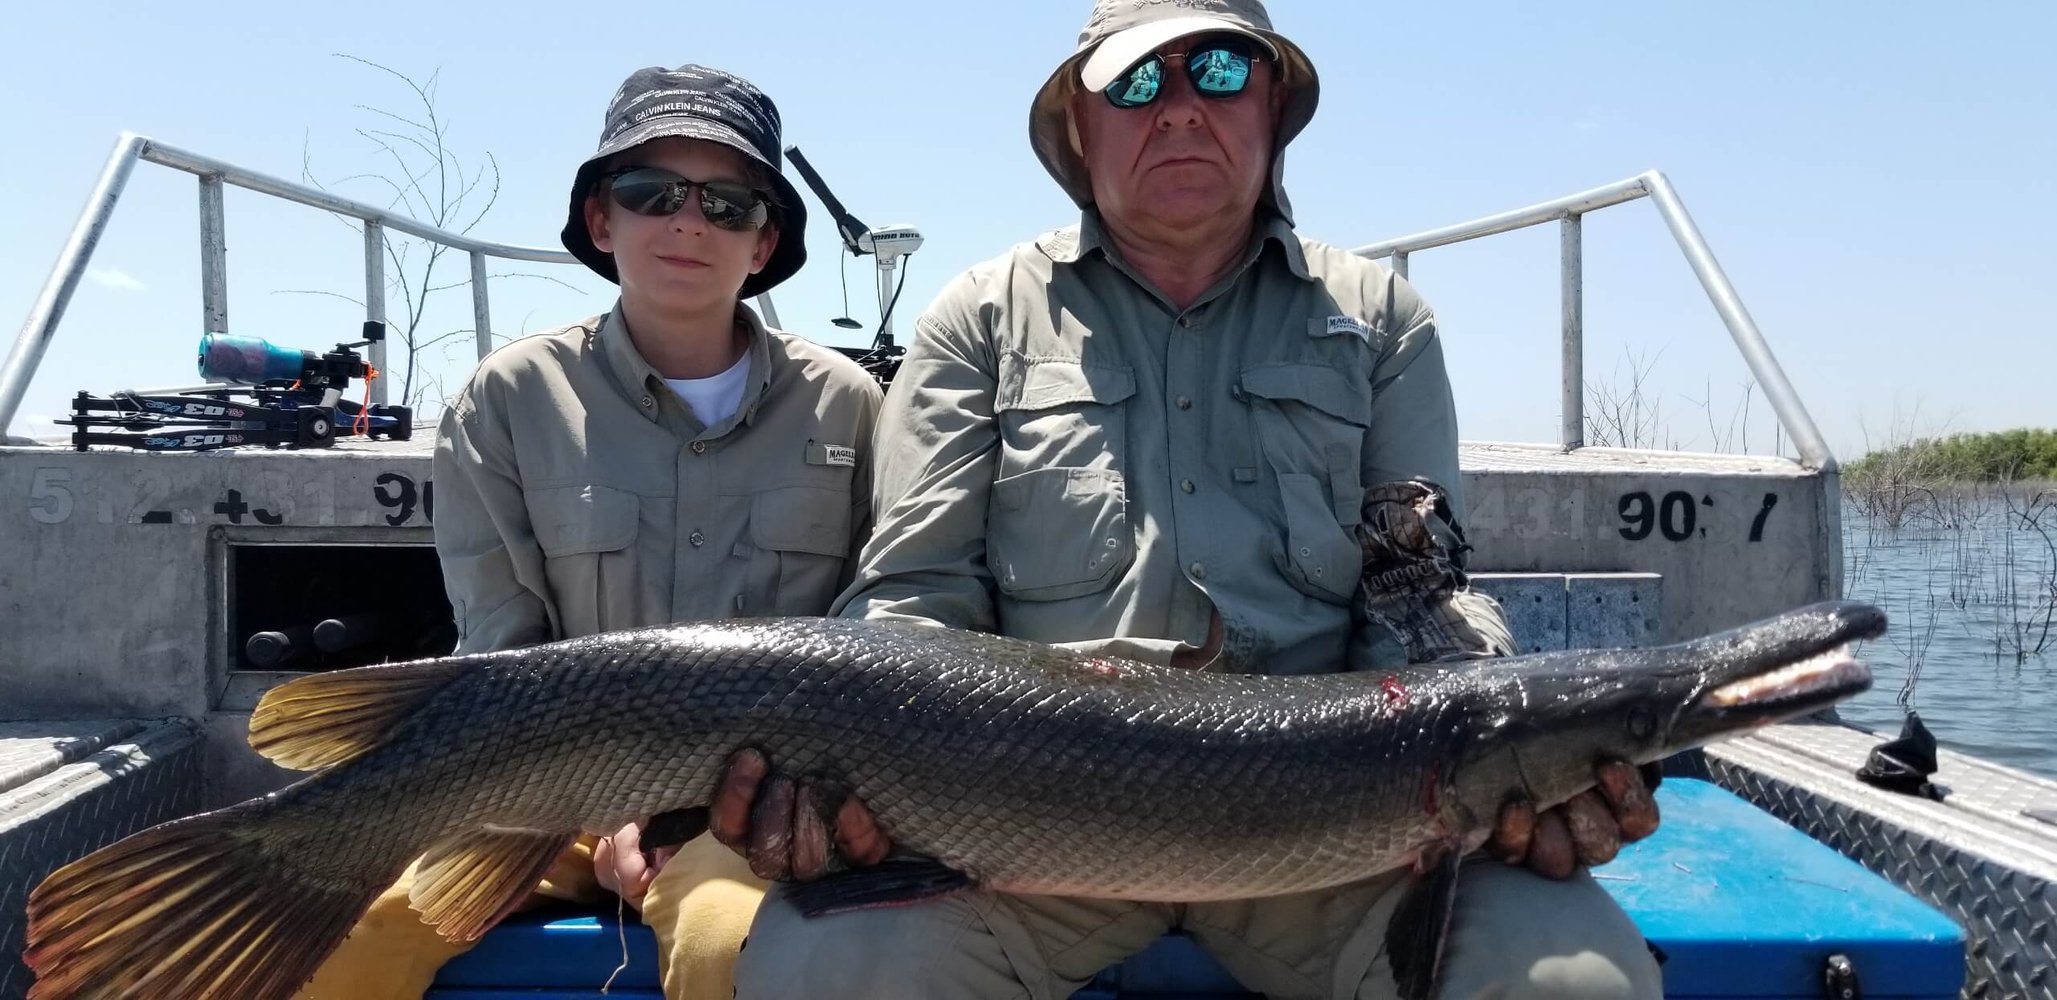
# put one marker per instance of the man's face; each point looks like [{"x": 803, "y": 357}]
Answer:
[{"x": 1181, "y": 160}]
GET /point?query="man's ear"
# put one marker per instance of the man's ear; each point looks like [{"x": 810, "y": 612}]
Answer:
[{"x": 767, "y": 241}]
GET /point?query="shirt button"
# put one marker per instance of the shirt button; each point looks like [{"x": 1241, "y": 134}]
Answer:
[
  {"x": 1186, "y": 321},
  {"x": 697, "y": 539},
  {"x": 699, "y": 447},
  {"x": 1186, "y": 485},
  {"x": 1183, "y": 403},
  {"x": 1199, "y": 571},
  {"x": 647, "y": 401}
]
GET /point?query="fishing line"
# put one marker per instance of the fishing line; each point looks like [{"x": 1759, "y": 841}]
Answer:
[{"x": 621, "y": 931}]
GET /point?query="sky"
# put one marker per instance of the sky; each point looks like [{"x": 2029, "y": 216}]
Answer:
[{"x": 1879, "y": 180}]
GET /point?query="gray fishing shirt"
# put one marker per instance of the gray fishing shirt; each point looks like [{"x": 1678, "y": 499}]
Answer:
[
  {"x": 1068, "y": 457},
  {"x": 577, "y": 493}
]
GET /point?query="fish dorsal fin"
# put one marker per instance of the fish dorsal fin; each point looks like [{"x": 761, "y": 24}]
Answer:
[
  {"x": 321, "y": 720},
  {"x": 466, "y": 883}
]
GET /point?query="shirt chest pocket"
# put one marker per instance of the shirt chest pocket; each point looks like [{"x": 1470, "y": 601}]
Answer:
[
  {"x": 801, "y": 538},
  {"x": 588, "y": 535},
  {"x": 1309, "y": 423},
  {"x": 1053, "y": 534},
  {"x": 1060, "y": 413}
]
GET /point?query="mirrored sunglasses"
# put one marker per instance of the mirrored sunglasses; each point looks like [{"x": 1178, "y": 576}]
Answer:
[{"x": 1218, "y": 68}]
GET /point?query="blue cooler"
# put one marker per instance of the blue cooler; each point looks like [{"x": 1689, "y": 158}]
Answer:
[
  {"x": 558, "y": 953},
  {"x": 1742, "y": 905},
  {"x": 1739, "y": 905}
]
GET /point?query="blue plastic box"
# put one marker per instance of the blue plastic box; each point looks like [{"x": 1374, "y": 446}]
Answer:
[
  {"x": 1739, "y": 904},
  {"x": 1742, "y": 905}
]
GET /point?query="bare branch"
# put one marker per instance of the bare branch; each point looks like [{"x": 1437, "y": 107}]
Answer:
[
  {"x": 431, "y": 342},
  {"x": 413, "y": 180},
  {"x": 383, "y": 113},
  {"x": 417, "y": 143},
  {"x": 396, "y": 74},
  {"x": 539, "y": 277},
  {"x": 509, "y": 274},
  {"x": 492, "y": 198},
  {"x": 359, "y": 303}
]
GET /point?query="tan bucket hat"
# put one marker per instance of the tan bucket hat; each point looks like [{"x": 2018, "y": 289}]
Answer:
[{"x": 1120, "y": 32}]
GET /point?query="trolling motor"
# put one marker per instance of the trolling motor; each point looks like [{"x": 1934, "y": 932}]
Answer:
[
  {"x": 889, "y": 245},
  {"x": 275, "y": 396}
]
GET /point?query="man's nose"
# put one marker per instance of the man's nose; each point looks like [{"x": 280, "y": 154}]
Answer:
[{"x": 1178, "y": 101}]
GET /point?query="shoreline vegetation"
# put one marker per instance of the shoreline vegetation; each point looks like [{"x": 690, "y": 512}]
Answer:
[{"x": 1982, "y": 508}]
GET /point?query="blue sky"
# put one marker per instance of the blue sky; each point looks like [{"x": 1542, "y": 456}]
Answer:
[{"x": 1879, "y": 179}]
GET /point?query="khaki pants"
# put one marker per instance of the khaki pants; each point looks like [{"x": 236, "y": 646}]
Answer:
[
  {"x": 1514, "y": 936},
  {"x": 699, "y": 907}
]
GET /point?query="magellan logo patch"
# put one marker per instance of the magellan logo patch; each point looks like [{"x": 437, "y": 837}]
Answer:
[
  {"x": 831, "y": 454},
  {"x": 1348, "y": 324}
]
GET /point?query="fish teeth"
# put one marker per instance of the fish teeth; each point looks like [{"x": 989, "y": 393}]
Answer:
[{"x": 1822, "y": 670}]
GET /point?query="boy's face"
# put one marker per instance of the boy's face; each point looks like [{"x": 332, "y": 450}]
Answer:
[{"x": 679, "y": 263}]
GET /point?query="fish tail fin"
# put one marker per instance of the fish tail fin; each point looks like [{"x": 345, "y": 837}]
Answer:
[
  {"x": 215, "y": 905},
  {"x": 324, "y": 719}
]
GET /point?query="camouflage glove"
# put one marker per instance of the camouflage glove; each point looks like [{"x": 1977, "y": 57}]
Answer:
[{"x": 1413, "y": 567}]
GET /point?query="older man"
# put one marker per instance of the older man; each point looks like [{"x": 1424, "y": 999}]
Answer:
[{"x": 1154, "y": 434}]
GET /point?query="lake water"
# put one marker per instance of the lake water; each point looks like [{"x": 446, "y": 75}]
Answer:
[{"x": 1967, "y": 586}]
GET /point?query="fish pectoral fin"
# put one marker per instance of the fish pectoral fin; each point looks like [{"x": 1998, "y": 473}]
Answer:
[
  {"x": 321, "y": 720},
  {"x": 467, "y": 883},
  {"x": 1420, "y": 925},
  {"x": 896, "y": 881}
]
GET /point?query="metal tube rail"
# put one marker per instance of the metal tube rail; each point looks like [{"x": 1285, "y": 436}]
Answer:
[
  {"x": 1764, "y": 367},
  {"x": 1572, "y": 403},
  {"x": 481, "y": 311},
  {"x": 41, "y": 325},
  {"x": 214, "y": 258},
  {"x": 375, "y": 299},
  {"x": 193, "y": 163},
  {"x": 1507, "y": 222},
  {"x": 1756, "y": 351}
]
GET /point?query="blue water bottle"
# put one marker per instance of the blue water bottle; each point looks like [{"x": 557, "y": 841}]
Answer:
[{"x": 250, "y": 360}]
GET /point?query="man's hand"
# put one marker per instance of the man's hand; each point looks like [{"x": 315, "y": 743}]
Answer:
[
  {"x": 1588, "y": 830},
  {"x": 621, "y": 866},
  {"x": 783, "y": 827}
]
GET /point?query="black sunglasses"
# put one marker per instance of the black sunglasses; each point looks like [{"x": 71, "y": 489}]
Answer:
[
  {"x": 655, "y": 191},
  {"x": 1219, "y": 68}
]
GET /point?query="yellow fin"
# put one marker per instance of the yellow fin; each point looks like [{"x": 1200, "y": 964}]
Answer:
[
  {"x": 466, "y": 883},
  {"x": 217, "y": 905},
  {"x": 321, "y": 720}
]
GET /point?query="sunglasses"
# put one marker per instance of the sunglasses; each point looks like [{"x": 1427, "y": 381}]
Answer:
[
  {"x": 654, "y": 191},
  {"x": 1219, "y": 69}
]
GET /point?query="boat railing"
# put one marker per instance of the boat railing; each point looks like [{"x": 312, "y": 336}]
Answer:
[
  {"x": 1569, "y": 212},
  {"x": 48, "y": 310},
  {"x": 213, "y": 175}
]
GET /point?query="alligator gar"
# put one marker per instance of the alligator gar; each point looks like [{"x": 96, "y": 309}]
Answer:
[{"x": 1006, "y": 765}]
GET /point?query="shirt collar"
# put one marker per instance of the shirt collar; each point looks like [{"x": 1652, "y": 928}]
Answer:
[{"x": 634, "y": 375}]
